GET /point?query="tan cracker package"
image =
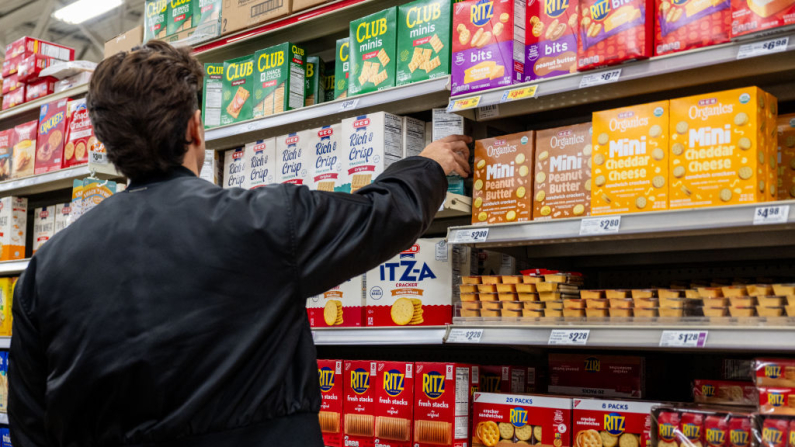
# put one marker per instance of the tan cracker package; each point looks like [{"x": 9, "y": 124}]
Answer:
[
  {"x": 563, "y": 155},
  {"x": 503, "y": 179}
]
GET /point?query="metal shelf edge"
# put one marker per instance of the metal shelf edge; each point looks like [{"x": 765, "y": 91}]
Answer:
[
  {"x": 10, "y": 268},
  {"x": 432, "y": 335}
]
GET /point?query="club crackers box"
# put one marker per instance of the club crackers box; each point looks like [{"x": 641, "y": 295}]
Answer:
[
  {"x": 373, "y": 52},
  {"x": 13, "y": 226},
  {"x": 521, "y": 418},
  {"x": 370, "y": 144},
  {"x": 325, "y": 170},
  {"x": 331, "y": 393},
  {"x": 628, "y": 422},
  {"x": 52, "y": 131},
  {"x": 685, "y": 25},
  {"x": 314, "y": 90},
  {"x": 278, "y": 79},
  {"x": 563, "y": 155},
  {"x": 608, "y": 376},
  {"x": 260, "y": 161},
  {"x": 43, "y": 226},
  {"x": 293, "y": 158},
  {"x": 424, "y": 30},
  {"x": 342, "y": 68},
  {"x": 155, "y": 19},
  {"x": 234, "y": 168},
  {"x": 614, "y": 32},
  {"x": 760, "y": 17},
  {"x": 551, "y": 29},
  {"x": 442, "y": 401},
  {"x": 488, "y": 44},
  {"x": 501, "y": 379},
  {"x": 359, "y": 404},
  {"x": 786, "y": 153},
  {"x": 394, "y": 404},
  {"x": 341, "y": 306},
  {"x": 238, "y": 86},
  {"x": 180, "y": 15},
  {"x": 213, "y": 94},
  {"x": 328, "y": 83}
]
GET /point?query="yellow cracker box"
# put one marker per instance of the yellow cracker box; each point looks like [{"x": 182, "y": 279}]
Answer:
[
  {"x": 629, "y": 162},
  {"x": 786, "y": 157},
  {"x": 717, "y": 146}
]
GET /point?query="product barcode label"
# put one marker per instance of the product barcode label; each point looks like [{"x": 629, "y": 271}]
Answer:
[
  {"x": 470, "y": 236},
  {"x": 465, "y": 336},
  {"x": 575, "y": 337}
]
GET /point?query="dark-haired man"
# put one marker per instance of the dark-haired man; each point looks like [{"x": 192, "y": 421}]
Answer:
[{"x": 173, "y": 313}]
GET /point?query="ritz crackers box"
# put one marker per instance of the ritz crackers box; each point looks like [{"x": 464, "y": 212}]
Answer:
[
  {"x": 373, "y": 52},
  {"x": 552, "y": 31},
  {"x": 488, "y": 44},
  {"x": 614, "y": 31},
  {"x": 759, "y": 17},
  {"x": 50, "y": 142},
  {"x": 359, "y": 404},
  {"x": 325, "y": 169},
  {"x": 342, "y": 68},
  {"x": 563, "y": 154},
  {"x": 682, "y": 25},
  {"x": 331, "y": 393},
  {"x": 442, "y": 398},
  {"x": 292, "y": 158},
  {"x": 593, "y": 418},
  {"x": 515, "y": 417},
  {"x": 155, "y": 19},
  {"x": 370, "y": 144},
  {"x": 238, "y": 86},
  {"x": 260, "y": 160},
  {"x": 786, "y": 147},
  {"x": 341, "y": 306},
  {"x": 278, "y": 79},
  {"x": 234, "y": 175},
  {"x": 423, "y": 40},
  {"x": 213, "y": 94},
  {"x": 314, "y": 88},
  {"x": 394, "y": 404}
]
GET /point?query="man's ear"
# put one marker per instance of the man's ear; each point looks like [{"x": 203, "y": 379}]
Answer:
[{"x": 196, "y": 129}]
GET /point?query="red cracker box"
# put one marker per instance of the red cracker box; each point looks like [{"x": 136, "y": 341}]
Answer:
[
  {"x": 514, "y": 418},
  {"x": 394, "y": 404},
  {"x": 28, "y": 45},
  {"x": 551, "y": 37},
  {"x": 50, "y": 143},
  {"x": 775, "y": 372},
  {"x": 597, "y": 375},
  {"x": 30, "y": 67},
  {"x": 11, "y": 66},
  {"x": 12, "y": 83},
  {"x": 441, "y": 404},
  {"x": 39, "y": 89},
  {"x": 669, "y": 425},
  {"x": 80, "y": 137},
  {"x": 740, "y": 431},
  {"x": 619, "y": 419},
  {"x": 724, "y": 392},
  {"x": 331, "y": 384},
  {"x": 774, "y": 432},
  {"x": 614, "y": 31},
  {"x": 760, "y": 17},
  {"x": 780, "y": 401},
  {"x": 716, "y": 431},
  {"x": 687, "y": 24},
  {"x": 359, "y": 404},
  {"x": 14, "y": 98},
  {"x": 501, "y": 379}
]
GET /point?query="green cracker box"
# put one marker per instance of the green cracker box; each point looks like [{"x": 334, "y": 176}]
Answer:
[
  {"x": 213, "y": 94},
  {"x": 238, "y": 89},
  {"x": 342, "y": 68},
  {"x": 329, "y": 83},
  {"x": 373, "y": 52},
  {"x": 424, "y": 29},
  {"x": 155, "y": 19},
  {"x": 315, "y": 82},
  {"x": 279, "y": 79},
  {"x": 179, "y": 15}
]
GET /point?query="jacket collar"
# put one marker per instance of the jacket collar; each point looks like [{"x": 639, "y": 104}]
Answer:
[{"x": 177, "y": 172}]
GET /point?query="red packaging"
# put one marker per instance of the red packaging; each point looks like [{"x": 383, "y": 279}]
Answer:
[
  {"x": 394, "y": 405},
  {"x": 792, "y": 434},
  {"x": 614, "y": 31},
  {"x": 79, "y": 134},
  {"x": 692, "y": 425},
  {"x": 617, "y": 418},
  {"x": 775, "y": 372},
  {"x": 668, "y": 427},
  {"x": 441, "y": 404},
  {"x": 530, "y": 380},
  {"x": 687, "y": 24},
  {"x": 774, "y": 432},
  {"x": 501, "y": 379},
  {"x": 777, "y": 401},
  {"x": 12, "y": 83},
  {"x": 6, "y": 150},
  {"x": 716, "y": 431},
  {"x": 50, "y": 143},
  {"x": 359, "y": 405},
  {"x": 11, "y": 66},
  {"x": 14, "y": 98},
  {"x": 331, "y": 384},
  {"x": 724, "y": 392},
  {"x": 28, "y": 45},
  {"x": 24, "y": 143},
  {"x": 759, "y": 17},
  {"x": 30, "y": 67},
  {"x": 39, "y": 89},
  {"x": 551, "y": 30},
  {"x": 501, "y": 419},
  {"x": 588, "y": 375},
  {"x": 740, "y": 431}
]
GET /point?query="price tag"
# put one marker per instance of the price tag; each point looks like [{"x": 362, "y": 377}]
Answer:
[
  {"x": 99, "y": 157},
  {"x": 683, "y": 339},
  {"x": 762, "y": 48},
  {"x": 470, "y": 236},
  {"x": 465, "y": 336},
  {"x": 576, "y": 337},
  {"x": 605, "y": 77},
  {"x": 771, "y": 214},
  {"x": 600, "y": 225},
  {"x": 488, "y": 112},
  {"x": 463, "y": 104},
  {"x": 349, "y": 104},
  {"x": 519, "y": 93}
]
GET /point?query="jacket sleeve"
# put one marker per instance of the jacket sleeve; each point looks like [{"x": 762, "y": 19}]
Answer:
[
  {"x": 27, "y": 373},
  {"x": 338, "y": 236}
]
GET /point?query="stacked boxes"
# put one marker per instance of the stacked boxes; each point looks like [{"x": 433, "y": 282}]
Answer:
[
  {"x": 155, "y": 19},
  {"x": 371, "y": 143},
  {"x": 551, "y": 30},
  {"x": 292, "y": 158},
  {"x": 394, "y": 405},
  {"x": 442, "y": 404},
  {"x": 614, "y": 32},
  {"x": 373, "y": 48},
  {"x": 43, "y": 226},
  {"x": 196, "y": 20},
  {"x": 24, "y": 60},
  {"x": 279, "y": 79},
  {"x": 331, "y": 393},
  {"x": 359, "y": 404},
  {"x": 325, "y": 169},
  {"x": 628, "y": 423},
  {"x": 213, "y": 94},
  {"x": 423, "y": 40},
  {"x": 13, "y": 227},
  {"x": 260, "y": 163},
  {"x": 563, "y": 155},
  {"x": 587, "y": 375}
]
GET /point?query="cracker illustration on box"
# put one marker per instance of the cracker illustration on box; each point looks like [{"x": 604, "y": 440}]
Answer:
[
  {"x": 373, "y": 44},
  {"x": 238, "y": 85},
  {"x": 424, "y": 32},
  {"x": 502, "y": 419},
  {"x": 685, "y": 25},
  {"x": 614, "y": 32},
  {"x": 279, "y": 79},
  {"x": 341, "y": 306}
]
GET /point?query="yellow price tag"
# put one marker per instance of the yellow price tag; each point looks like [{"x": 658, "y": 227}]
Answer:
[
  {"x": 464, "y": 104},
  {"x": 519, "y": 93}
]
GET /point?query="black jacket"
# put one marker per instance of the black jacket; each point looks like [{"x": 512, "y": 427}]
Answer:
[{"x": 173, "y": 314}]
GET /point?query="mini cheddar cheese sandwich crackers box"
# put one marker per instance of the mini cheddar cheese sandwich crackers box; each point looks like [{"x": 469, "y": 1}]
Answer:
[
  {"x": 279, "y": 73},
  {"x": 423, "y": 40},
  {"x": 615, "y": 31},
  {"x": 260, "y": 161},
  {"x": 519, "y": 418},
  {"x": 786, "y": 148},
  {"x": 342, "y": 68},
  {"x": 325, "y": 169},
  {"x": 394, "y": 405},
  {"x": 761, "y": 17},
  {"x": 563, "y": 154},
  {"x": 331, "y": 394},
  {"x": 373, "y": 52},
  {"x": 341, "y": 306},
  {"x": 552, "y": 32},
  {"x": 687, "y": 24},
  {"x": 359, "y": 405},
  {"x": 630, "y": 159},
  {"x": 621, "y": 423},
  {"x": 238, "y": 87},
  {"x": 442, "y": 404},
  {"x": 293, "y": 158}
]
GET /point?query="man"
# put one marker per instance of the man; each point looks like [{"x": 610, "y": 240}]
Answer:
[{"x": 173, "y": 313}]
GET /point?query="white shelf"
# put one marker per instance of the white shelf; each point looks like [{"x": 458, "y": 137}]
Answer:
[
  {"x": 29, "y": 107},
  {"x": 430, "y": 335},
  {"x": 4, "y": 418},
  {"x": 50, "y": 181},
  {"x": 13, "y": 268}
]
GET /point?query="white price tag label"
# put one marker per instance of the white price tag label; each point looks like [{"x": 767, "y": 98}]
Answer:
[
  {"x": 465, "y": 336},
  {"x": 762, "y": 48},
  {"x": 575, "y": 337},
  {"x": 600, "y": 225},
  {"x": 605, "y": 77},
  {"x": 99, "y": 157},
  {"x": 349, "y": 105},
  {"x": 488, "y": 112},
  {"x": 469, "y": 236},
  {"x": 683, "y": 339},
  {"x": 771, "y": 214}
]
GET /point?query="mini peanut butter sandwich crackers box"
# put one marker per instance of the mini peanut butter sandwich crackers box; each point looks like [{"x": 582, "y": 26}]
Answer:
[
  {"x": 341, "y": 306},
  {"x": 514, "y": 418},
  {"x": 234, "y": 175},
  {"x": 331, "y": 393},
  {"x": 260, "y": 161},
  {"x": 423, "y": 40},
  {"x": 293, "y": 158},
  {"x": 325, "y": 170},
  {"x": 394, "y": 405},
  {"x": 615, "y": 31},
  {"x": 552, "y": 31},
  {"x": 278, "y": 79},
  {"x": 373, "y": 52},
  {"x": 563, "y": 155},
  {"x": 238, "y": 87},
  {"x": 442, "y": 398},
  {"x": 359, "y": 404},
  {"x": 623, "y": 423}
]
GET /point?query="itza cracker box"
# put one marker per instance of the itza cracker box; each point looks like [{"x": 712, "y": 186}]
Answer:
[{"x": 341, "y": 306}]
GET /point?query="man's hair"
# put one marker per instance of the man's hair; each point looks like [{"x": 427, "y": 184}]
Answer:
[{"x": 140, "y": 103}]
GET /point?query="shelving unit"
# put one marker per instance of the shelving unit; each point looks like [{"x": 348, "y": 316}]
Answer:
[
  {"x": 32, "y": 108},
  {"x": 12, "y": 268},
  {"x": 431, "y": 335}
]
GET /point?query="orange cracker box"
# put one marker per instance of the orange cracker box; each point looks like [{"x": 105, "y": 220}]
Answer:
[
  {"x": 50, "y": 143},
  {"x": 786, "y": 154},
  {"x": 79, "y": 134},
  {"x": 614, "y": 31},
  {"x": 13, "y": 227},
  {"x": 442, "y": 404},
  {"x": 563, "y": 154},
  {"x": 500, "y": 379},
  {"x": 771, "y": 145},
  {"x": 503, "y": 187},
  {"x": 359, "y": 404},
  {"x": 394, "y": 405},
  {"x": 761, "y": 17},
  {"x": 687, "y": 24},
  {"x": 515, "y": 418},
  {"x": 331, "y": 384},
  {"x": 717, "y": 147},
  {"x": 630, "y": 159},
  {"x": 617, "y": 418}
]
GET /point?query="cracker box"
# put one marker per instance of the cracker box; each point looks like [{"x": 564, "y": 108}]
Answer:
[
  {"x": 80, "y": 136},
  {"x": 95, "y": 192},
  {"x": 155, "y": 19},
  {"x": 293, "y": 158},
  {"x": 6, "y": 152},
  {"x": 370, "y": 144},
  {"x": 627, "y": 422},
  {"x": 612, "y": 32},
  {"x": 442, "y": 399},
  {"x": 503, "y": 179},
  {"x": 501, "y": 379},
  {"x": 423, "y": 40},
  {"x": 443, "y": 125},
  {"x": 213, "y": 94},
  {"x": 325, "y": 169},
  {"x": 238, "y": 86},
  {"x": 314, "y": 90},
  {"x": 394, "y": 404},
  {"x": 43, "y": 226},
  {"x": 331, "y": 393},
  {"x": 514, "y": 418},
  {"x": 235, "y": 166},
  {"x": 373, "y": 52},
  {"x": 50, "y": 141},
  {"x": 329, "y": 82},
  {"x": 13, "y": 227},
  {"x": 760, "y": 17},
  {"x": 718, "y": 152},
  {"x": 772, "y": 372},
  {"x": 359, "y": 404},
  {"x": 24, "y": 141},
  {"x": 341, "y": 306},
  {"x": 771, "y": 145},
  {"x": 29, "y": 67},
  {"x": 63, "y": 212},
  {"x": 551, "y": 30},
  {"x": 14, "y": 98},
  {"x": 342, "y": 68},
  {"x": 412, "y": 289},
  {"x": 685, "y": 25},
  {"x": 724, "y": 392},
  {"x": 11, "y": 68},
  {"x": 488, "y": 44},
  {"x": 6, "y": 304},
  {"x": 779, "y": 401},
  {"x": 26, "y": 46},
  {"x": 12, "y": 83},
  {"x": 179, "y": 15},
  {"x": 608, "y": 376},
  {"x": 774, "y": 432},
  {"x": 260, "y": 160},
  {"x": 39, "y": 89},
  {"x": 279, "y": 79},
  {"x": 563, "y": 155},
  {"x": 629, "y": 162},
  {"x": 786, "y": 154},
  {"x": 413, "y": 136}
]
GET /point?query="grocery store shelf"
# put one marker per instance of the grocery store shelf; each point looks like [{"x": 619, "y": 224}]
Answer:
[
  {"x": 28, "y": 108},
  {"x": 429, "y": 335},
  {"x": 50, "y": 181},
  {"x": 455, "y": 205},
  {"x": 11, "y": 268},
  {"x": 410, "y": 98}
]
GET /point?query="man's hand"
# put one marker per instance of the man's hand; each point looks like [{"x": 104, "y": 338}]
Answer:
[{"x": 451, "y": 153}]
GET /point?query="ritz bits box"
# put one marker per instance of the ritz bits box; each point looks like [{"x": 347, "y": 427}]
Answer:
[
  {"x": 13, "y": 227},
  {"x": 614, "y": 31},
  {"x": 394, "y": 404},
  {"x": 423, "y": 40},
  {"x": 50, "y": 142},
  {"x": 237, "y": 88},
  {"x": 687, "y": 24},
  {"x": 341, "y": 306},
  {"x": 630, "y": 159},
  {"x": 786, "y": 147},
  {"x": 612, "y": 423},
  {"x": 442, "y": 404},
  {"x": 359, "y": 404},
  {"x": 563, "y": 155},
  {"x": 718, "y": 149},
  {"x": 503, "y": 179},
  {"x": 373, "y": 48},
  {"x": 515, "y": 419},
  {"x": 552, "y": 31},
  {"x": 331, "y": 393},
  {"x": 760, "y": 17}
]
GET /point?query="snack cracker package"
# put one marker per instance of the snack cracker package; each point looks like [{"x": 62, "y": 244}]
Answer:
[
  {"x": 373, "y": 52},
  {"x": 774, "y": 432},
  {"x": 278, "y": 79},
  {"x": 692, "y": 429},
  {"x": 724, "y": 392},
  {"x": 510, "y": 418},
  {"x": 359, "y": 406},
  {"x": 6, "y": 152},
  {"x": 669, "y": 428},
  {"x": 614, "y": 31},
  {"x": 213, "y": 95},
  {"x": 563, "y": 155},
  {"x": 552, "y": 32},
  {"x": 50, "y": 141},
  {"x": 779, "y": 401},
  {"x": 771, "y": 372},
  {"x": 179, "y": 15},
  {"x": 260, "y": 160},
  {"x": 423, "y": 40},
  {"x": 24, "y": 141},
  {"x": 155, "y": 19},
  {"x": 342, "y": 306},
  {"x": 329, "y": 83},
  {"x": 740, "y": 431},
  {"x": 238, "y": 86},
  {"x": 786, "y": 155},
  {"x": 682, "y": 25},
  {"x": 13, "y": 227},
  {"x": 760, "y": 17},
  {"x": 325, "y": 168},
  {"x": 234, "y": 175},
  {"x": 293, "y": 158},
  {"x": 501, "y": 379},
  {"x": 315, "y": 83},
  {"x": 43, "y": 226},
  {"x": 370, "y": 144},
  {"x": 80, "y": 138},
  {"x": 621, "y": 423},
  {"x": 442, "y": 397},
  {"x": 331, "y": 393},
  {"x": 95, "y": 191},
  {"x": 342, "y": 68},
  {"x": 604, "y": 375},
  {"x": 394, "y": 405},
  {"x": 716, "y": 431},
  {"x": 39, "y": 89},
  {"x": 63, "y": 213}
]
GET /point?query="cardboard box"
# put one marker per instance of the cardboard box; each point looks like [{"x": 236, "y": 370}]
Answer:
[
  {"x": 50, "y": 141},
  {"x": 774, "y": 432},
  {"x": 442, "y": 400},
  {"x": 371, "y": 143},
  {"x": 786, "y": 154},
  {"x": 501, "y": 379},
  {"x": 12, "y": 83},
  {"x": 39, "y": 89},
  {"x": 771, "y": 145},
  {"x": 546, "y": 420},
  {"x": 95, "y": 192},
  {"x": 260, "y": 160},
  {"x": 681, "y": 26},
  {"x": 328, "y": 84},
  {"x": 563, "y": 154},
  {"x": 63, "y": 213},
  {"x": 292, "y": 158},
  {"x": 776, "y": 401},
  {"x": 213, "y": 167},
  {"x": 13, "y": 227},
  {"x": 125, "y": 42},
  {"x": 630, "y": 159},
  {"x": 29, "y": 67},
  {"x": 325, "y": 168},
  {"x": 242, "y": 14},
  {"x": 759, "y": 18},
  {"x": 488, "y": 45},
  {"x": 593, "y": 418},
  {"x": 342, "y": 68},
  {"x": 552, "y": 33},
  {"x": 314, "y": 90},
  {"x": 195, "y": 23},
  {"x": 443, "y": 125},
  {"x": 154, "y": 20},
  {"x": 503, "y": 175},
  {"x": 611, "y": 35},
  {"x": 279, "y": 79},
  {"x": 14, "y": 98},
  {"x": 424, "y": 40},
  {"x": 213, "y": 94},
  {"x": 6, "y": 152},
  {"x": 359, "y": 405},
  {"x": 608, "y": 376},
  {"x": 24, "y": 143},
  {"x": 238, "y": 88},
  {"x": 80, "y": 138},
  {"x": 299, "y": 5},
  {"x": 11, "y": 66},
  {"x": 6, "y": 302},
  {"x": 43, "y": 226},
  {"x": 26, "y": 46},
  {"x": 341, "y": 306},
  {"x": 394, "y": 404},
  {"x": 413, "y": 136},
  {"x": 331, "y": 393},
  {"x": 235, "y": 168},
  {"x": 373, "y": 52}
]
